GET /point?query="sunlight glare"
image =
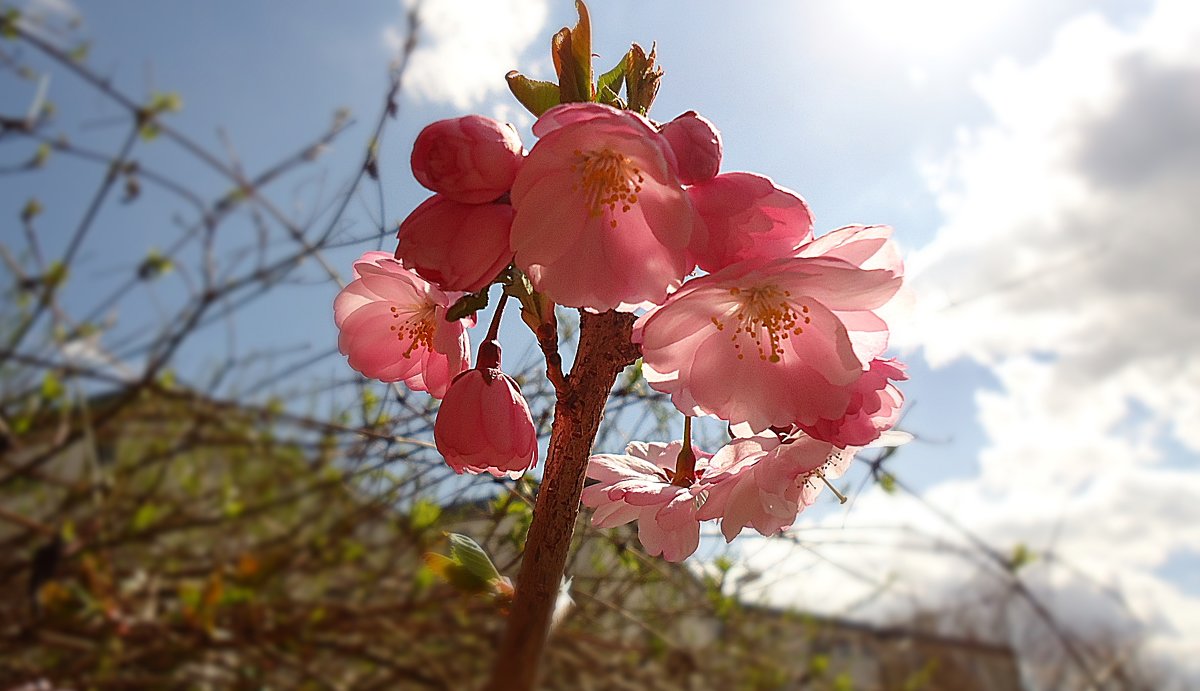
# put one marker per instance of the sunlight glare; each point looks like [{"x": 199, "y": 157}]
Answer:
[{"x": 924, "y": 28}]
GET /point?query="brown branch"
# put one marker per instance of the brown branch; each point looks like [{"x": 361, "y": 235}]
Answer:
[
  {"x": 547, "y": 338},
  {"x": 604, "y": 350},
  {"x": 49, "y": 288}
]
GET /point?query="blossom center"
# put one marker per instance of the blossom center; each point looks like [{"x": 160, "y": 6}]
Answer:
[
  {"x": 766, "y": 316},
  {"x": 415, "y": 325},
  {"x": 608, "y": 179}
]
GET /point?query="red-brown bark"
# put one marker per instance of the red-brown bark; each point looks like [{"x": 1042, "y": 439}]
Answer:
[{"x": 604, "y": 350}]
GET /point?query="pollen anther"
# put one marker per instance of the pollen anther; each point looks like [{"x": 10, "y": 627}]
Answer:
[
  {"x": 767, "y": 316},
  {"x": 608, "y": 179}
]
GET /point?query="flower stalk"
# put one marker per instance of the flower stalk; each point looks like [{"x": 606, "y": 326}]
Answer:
[
  {"x": 685, "y": 464},
  {"x": 488, "y": 356}
]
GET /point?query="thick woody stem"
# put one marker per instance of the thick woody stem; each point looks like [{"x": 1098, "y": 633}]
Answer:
[{"x": 604, "y": 350}]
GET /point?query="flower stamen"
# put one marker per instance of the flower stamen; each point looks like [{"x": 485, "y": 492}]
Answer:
[
  {"x": 767, "y": 316},
  {"x": 608, "y": 179},
  {"x": 416, "y": 325},
  {"x": 841, "y": 497}
]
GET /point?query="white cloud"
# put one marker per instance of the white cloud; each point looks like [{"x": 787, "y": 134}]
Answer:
[
  {"x": 467, "y": 46},
  {"x": 64, "y": 10},
  {"x": 1070, "y": 222},
  {"x": 1069, "y": 264},
  {"x": 508, "y": 111}
]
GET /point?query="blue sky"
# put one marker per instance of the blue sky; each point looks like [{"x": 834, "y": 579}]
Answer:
[{"x": 1039, "y": 165}]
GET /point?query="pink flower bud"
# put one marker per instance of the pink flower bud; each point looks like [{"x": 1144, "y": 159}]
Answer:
[
  {"x": 484, "y": 425},
  {"x": 471, "y": 159},
  {"x": 457, "y": 246},
  {"x": 697, "y": 146}
]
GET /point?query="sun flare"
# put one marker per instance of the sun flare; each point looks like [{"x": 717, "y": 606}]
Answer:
[{"x": 924, "y": 28}]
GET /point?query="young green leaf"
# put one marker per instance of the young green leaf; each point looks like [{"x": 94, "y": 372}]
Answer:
[
  {"x": 571, "y": 50},
  {"x": 31, "y": 210},
  {"x": 467, "y": 552},
  {"x": 8, "y": 23},
  {"x": 52, "y": 387},
  {"x": 424, "y": 514},
  {"x": 610, "y": 82},
  {"x": 537, "y": 96}
]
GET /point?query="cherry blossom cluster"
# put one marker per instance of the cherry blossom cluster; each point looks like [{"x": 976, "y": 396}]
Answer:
[
  {"x": 394, "y": 318},
  {"x": 745, "y": 315}
]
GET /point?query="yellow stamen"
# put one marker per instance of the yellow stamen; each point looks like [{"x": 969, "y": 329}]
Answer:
[
  {"x": 608, "y": 179},
  {"x": 418, "y": 326},
  {"x": 766, "y": 315}
]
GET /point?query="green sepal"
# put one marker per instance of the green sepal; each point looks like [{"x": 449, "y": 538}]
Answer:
[
  {"x": 467, "y": 305},
  {"x": 536, "y": 308}
]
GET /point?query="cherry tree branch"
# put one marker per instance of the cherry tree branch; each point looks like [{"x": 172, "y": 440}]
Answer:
[
  {"x": 604, "y": 350},
  {"x": 547, "y": 338}
]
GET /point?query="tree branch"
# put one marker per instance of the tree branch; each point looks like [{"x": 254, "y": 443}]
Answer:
[{"x": 604, "y": 350}]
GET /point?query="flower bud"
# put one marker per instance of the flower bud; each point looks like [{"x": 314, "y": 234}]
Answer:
[
  {"x": 484, "y": 425},
  {"x": 456, "y": 246},
  {"x": 697, "y": 147},
  {"x": 471, "y": 159}
]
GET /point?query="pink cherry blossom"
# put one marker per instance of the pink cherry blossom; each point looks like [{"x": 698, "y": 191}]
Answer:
[
  {"x": 697, "y": 146},
  {"x": 874, "y": 408},
  {"x": 867, "y": 247},
  {"x": 746, "y": 216},
  {"x": 471, "y": 159},
  {"x": 637, "y": 485},
  {"x": 763, "y": 342},
  {"x": 393, "y": 327},
  {"x": 484, "y": 425},
  {"x": 457, "y": 246},
  {"x": 764, "y": 484},
  {"x": 601, "y": 219}
]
